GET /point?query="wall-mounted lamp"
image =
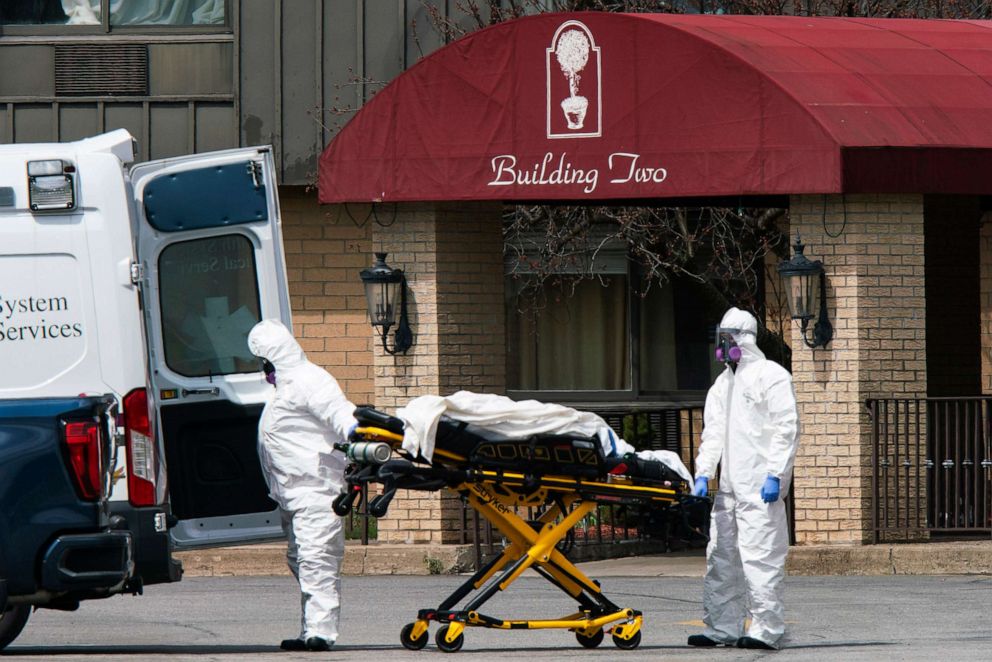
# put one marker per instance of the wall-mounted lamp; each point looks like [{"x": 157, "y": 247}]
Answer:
[
  {"x": 384, "y": 286},
  {"x": 806, "y": 291}
]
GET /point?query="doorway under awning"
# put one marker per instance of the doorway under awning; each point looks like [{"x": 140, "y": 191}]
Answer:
[{"x": 596, "y": 106}]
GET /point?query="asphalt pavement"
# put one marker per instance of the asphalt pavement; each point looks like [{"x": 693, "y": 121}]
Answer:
[{"x": 243, "y": 618}]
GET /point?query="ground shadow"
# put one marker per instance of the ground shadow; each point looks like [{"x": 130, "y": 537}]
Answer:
[{"x": 161, "y": 649}]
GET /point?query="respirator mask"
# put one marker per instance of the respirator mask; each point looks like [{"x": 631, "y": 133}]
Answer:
[
  {"x": 270, "y": 372},
  {"x": 727, "y": 349}
]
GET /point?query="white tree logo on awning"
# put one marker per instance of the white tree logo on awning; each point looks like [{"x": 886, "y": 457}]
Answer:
[
  {"x": 571, "y": 114},
  {"x": 573, "y": 55}
]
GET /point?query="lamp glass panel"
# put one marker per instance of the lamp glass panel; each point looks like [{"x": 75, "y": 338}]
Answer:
[
  {"x": 381, "y": 300},
  {"x": 803, "y": 295}
]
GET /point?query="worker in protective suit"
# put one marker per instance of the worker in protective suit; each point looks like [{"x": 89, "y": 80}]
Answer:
[
  {"x": 750, "y": 428},
  {"x": 296, "y": 434}
]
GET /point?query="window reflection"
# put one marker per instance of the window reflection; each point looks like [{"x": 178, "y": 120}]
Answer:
[
  {"x": 570, "y": 340},
  {"x": 577, "y": 339},
  {"x": 122, "y": 12},
  {"x": 209, "y": 298},
  {"x": 32, "y": 12},
  {"x": 676, "y": 340}
]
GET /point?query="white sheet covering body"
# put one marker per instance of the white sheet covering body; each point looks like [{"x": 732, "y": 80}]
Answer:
[{"x": 515, "y": 420}]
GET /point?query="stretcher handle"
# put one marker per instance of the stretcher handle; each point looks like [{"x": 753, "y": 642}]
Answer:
[
  {"x": 380, "y": 504},
  {"x": 377, "y": 434},
  {"x": 367, "y": 416},
  {"x": 344, "y": 502}
]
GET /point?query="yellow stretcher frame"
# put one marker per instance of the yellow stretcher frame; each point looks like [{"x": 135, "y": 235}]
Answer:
[{"x": 531, "y": 545}]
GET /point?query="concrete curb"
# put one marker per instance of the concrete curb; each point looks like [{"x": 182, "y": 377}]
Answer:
[
  {"x": 959, "y": 558},
  {"x": 379, "y": 559}
]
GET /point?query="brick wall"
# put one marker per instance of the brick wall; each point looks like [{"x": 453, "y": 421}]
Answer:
[
  {"x": 409, "y": 236},
  {"x": 471, "y": 317},
  {"x": 875, "y": 296},
  {"x": 326, "y": 247},
  {"x": 452, "y": 256}
]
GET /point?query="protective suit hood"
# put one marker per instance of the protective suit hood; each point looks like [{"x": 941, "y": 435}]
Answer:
[
  {"x": 271, "y": 340},
  {"x": 743, "y": 328}
]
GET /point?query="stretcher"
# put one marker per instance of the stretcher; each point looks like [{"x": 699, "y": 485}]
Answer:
[{"x": 563, "y": 477}]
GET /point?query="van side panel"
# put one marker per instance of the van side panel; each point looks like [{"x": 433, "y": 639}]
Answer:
[{"x": 69, "y": 316}]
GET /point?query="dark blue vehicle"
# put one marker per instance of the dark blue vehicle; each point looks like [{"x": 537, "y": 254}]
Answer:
[{"x": 58, "y": 542}]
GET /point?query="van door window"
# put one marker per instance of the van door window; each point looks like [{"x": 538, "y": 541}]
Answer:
[{"x": 209, "y": 298}]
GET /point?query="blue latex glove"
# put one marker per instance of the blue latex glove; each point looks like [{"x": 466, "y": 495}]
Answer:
[
  {"x": 701, "y": 487},
  {"x": 769, "y": 491}
]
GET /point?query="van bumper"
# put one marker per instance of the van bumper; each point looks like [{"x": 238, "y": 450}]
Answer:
[
  {"x": 151, "y": 542},
  {"x": 87, "y": 561}
]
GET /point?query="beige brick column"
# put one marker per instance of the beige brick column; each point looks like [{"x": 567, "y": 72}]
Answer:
[
  {"x": 452, "y": 255},
  {"x": 326, "y": 247},
  {"x": 453, "y": 258},
  {"x": 875, "y": 296}
]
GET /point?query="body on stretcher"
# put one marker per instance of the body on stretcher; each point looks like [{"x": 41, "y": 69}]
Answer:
[{"x": 564, "y": 476}]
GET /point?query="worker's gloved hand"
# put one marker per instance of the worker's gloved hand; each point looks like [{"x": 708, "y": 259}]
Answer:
[
  {"x": 701, "y": 487},
  {"x": 351, "y": 432},
  {"x": 769, "y": 491}
]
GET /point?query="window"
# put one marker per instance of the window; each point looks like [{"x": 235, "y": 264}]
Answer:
[
  {"x": 603, "y": 335},
  {"x": 208, "y": 291},
  {"x": 561, "y": 339},
  {"x": 116, "y": 12},
  {"x": 676, "y": 338}
]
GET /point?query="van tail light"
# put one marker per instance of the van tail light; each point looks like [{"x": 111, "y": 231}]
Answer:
[
  {"x": 84, "y": 442},
  {"x": 141, "y": 469}
]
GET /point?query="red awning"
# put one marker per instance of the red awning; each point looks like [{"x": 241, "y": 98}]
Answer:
[{"x": 593, "y": 106}]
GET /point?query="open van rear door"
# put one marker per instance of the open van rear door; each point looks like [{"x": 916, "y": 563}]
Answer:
[{"x": 211, "y": 264}]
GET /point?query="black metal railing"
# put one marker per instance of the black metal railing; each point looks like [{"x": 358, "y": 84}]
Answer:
[{"x": 931, "y": 467}]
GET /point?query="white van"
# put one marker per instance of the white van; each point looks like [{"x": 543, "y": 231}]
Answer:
[{"x": 142, "y": 282}]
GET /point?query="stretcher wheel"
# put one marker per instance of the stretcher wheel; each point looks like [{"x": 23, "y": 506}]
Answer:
[
  {"x": 590, "y": 642},
  {"x": 452, "y": 647},
  {"x": 628, "y": 644},
  {"x": 410, "y": 643}
]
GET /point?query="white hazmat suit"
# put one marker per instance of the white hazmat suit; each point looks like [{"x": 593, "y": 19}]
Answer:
[
  {"x": 307, "y": 414},
  {"x": 751, "y": 429}
]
